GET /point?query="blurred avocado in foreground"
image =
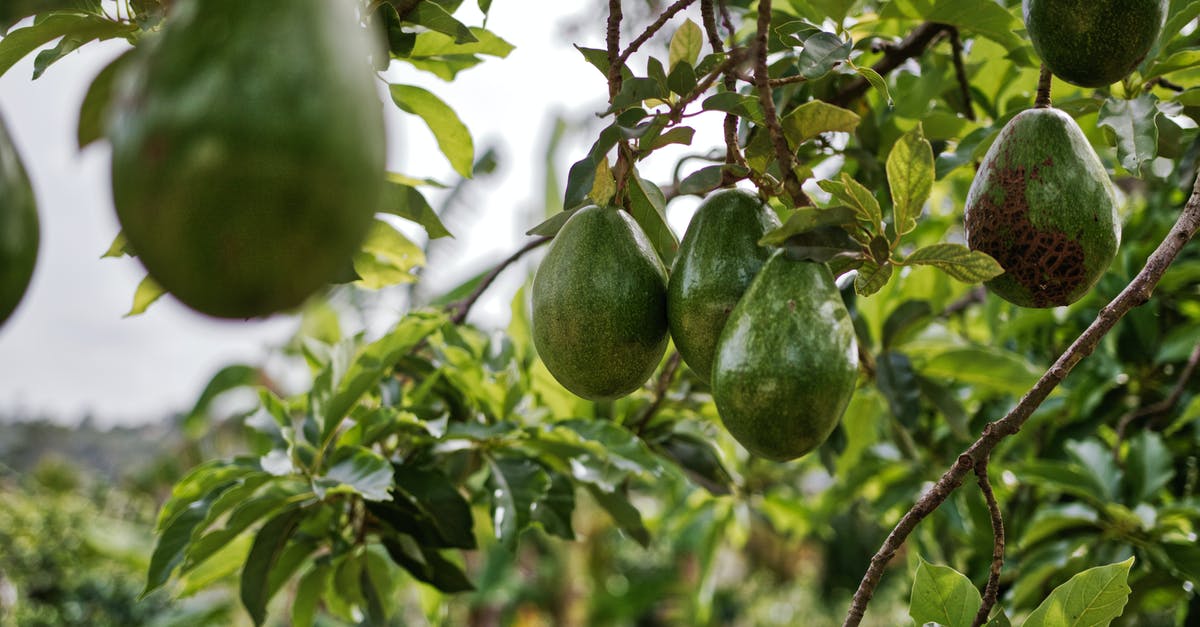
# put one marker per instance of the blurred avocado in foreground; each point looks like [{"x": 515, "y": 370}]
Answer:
[{"x": 248, "y": 151}]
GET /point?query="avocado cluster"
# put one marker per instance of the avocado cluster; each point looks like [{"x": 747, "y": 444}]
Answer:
[
  {"x": 771, "y": 334},
  {"x": 19, "y": 231},
  {"x": 248, "y": 151},
  {"x": 1042, "y": 203}
]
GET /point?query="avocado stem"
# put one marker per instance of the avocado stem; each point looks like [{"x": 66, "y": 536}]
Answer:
[{"x": 1043, "y": 89}]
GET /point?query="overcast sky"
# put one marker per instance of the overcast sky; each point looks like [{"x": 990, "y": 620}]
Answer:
[{"x": 67, "y": 352}]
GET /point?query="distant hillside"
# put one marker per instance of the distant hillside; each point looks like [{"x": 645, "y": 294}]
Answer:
[{"x": 111, "y": 453}]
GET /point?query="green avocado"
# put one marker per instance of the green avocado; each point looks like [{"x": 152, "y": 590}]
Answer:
[
  {"x": 717, "y": 259},
  {"x": 786, "y": 362},
  {"x": 19, "y": 231},
  {"x": 248, "y": 151},
  {"x": 1043, "y": 206},
  {"x": 1093, "y": 43},
  {"x": 600, "y": 305}
]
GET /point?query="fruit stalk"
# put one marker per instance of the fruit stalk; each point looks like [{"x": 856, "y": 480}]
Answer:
[
  {"x": 1137, "y": 293},
  {"x": 1043, "y": 89}
]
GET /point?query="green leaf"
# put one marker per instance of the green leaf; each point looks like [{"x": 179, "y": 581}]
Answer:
[
  {"x": 79, "y": 27},
  {"x": 226, "y": 379},
  {"x": 147, "y": 292},
  {"x": 822, "y": 51},
  {"x": 943, "y": 595},
  {"x": 551, "y": 226},
  {"x": 1133, "y": 124},
  {"x": 853, "y": 194},
  {"x": 119, "y": 248},
  {"x": 984, "y": 17},
  {"x": 1180, "y": 60},
  {"x": 451, "y": 134},
  {"x": 910, "y": 175},
  {"x": 93, "y": 112},
  {"x": 822, "y": 244},
  {"x": 958, "y": 261},
  {"x": 435, "y": 18},
  {"x": 200, "y": 482},
  {"x": 623, "y": 513},
  {"x": 248, "y": 511},
  {"x": 815, "y": 117},
  {"x": 517, "y": 484},
  {"x": 678, "y": 135},
  {"x": 682, "y": 79},
  {"x": 1148, "y": 468},
  {"x": 1092, "y": 598},
  {"x": 406, "y": 201},
  {"x": 740, "y": 105},
  {"x": 1065, "y": 477},
  {"x": 387, "y": 258},
  {"x": 269, "y": 545},
  {"x": 428, "y": 507},
  {"x": 598, "y": 58},
  {"x": 703, "y": 181},
  {"x": 686, "y": 44},
  {"x": 554, "y": 510},
  {"x": 356, "y": 470},
  {"x": 876, "y": 82},
  {"x": 435, "y": 45},
  {"x": 806, "y": 219},
  {"x": 699, "y": 459},
  {"x": 371, "y": 365},
  {"x": 176, "y": 537},
  {"x": 647, "y": 205},
  {"x": 1054, "y": 522},
  {"x": 871, "y": 277},
  {"x": 427, "y": 565},
  {"x": 622, "y": 447},
  {"x": 604, "y": 186},
  {"x": 990, "y": 368},
  {"x": 308, "y": 592}
]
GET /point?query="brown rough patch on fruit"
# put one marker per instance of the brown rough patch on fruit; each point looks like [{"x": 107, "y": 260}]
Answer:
[{"x": 1046, "y": 262}]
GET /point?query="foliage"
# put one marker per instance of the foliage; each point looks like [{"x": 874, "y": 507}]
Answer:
[{"x": 440, "y": 463}]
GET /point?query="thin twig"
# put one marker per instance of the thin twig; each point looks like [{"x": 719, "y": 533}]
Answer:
[
  {"x": 973, "y": 296},
  {"x": 783, "y": 152},
  {"x": 462, "y": 307},
  {"x": 660, "y": 390},
  {"x": 1161, "y": 406},
  {"x": 733, "y": 153},
  {"x": 704, "y": 85},
  {"x": 893, "y": 56},
  {"x": 1043, "y": 89},
  {"x": 992, "y": 589},
  {"x": 1136, "y": 293},
  {"x": 727, "y": 18},
  {"x": 960, "y": 71},
  {"x": 670, "y": 12},
  {"x": 613, "y": 39}
]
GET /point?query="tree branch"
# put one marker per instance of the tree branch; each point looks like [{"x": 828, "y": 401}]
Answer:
[
  {"x": 912, "y": 46},
  {"x": 462, "y": 307},
  {"x": 613, "y": 40},
  {"x": 783, "y": 152},
  {"x": 992, "y": 589},
  {"x": 960, "y": 71},
  {"x": 1136, "y": 293},
  {"x": 676, "y": 7},
  {"x": 733, "y": 153},
  {"x": 660, "y": 391}
]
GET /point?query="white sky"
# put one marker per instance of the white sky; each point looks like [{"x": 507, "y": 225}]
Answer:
[{"x": 67, "y": 352}]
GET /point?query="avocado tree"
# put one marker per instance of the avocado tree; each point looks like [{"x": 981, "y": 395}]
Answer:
[{"x": 888, "y": 158}]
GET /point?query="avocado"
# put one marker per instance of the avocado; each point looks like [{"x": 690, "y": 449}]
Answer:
[
  {"x": 1043, "y": 206},
  {"x": 786, "y": 362},
  {"x": 1093, "y": 43},
  {"x": 600, "y": 305},
  {"x": 248, "y": 151},
  {"x": 717, "y": 259},
  {"x": 19, "y": 231}
]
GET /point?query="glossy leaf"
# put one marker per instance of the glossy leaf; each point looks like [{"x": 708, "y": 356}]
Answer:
[
  {"x": 1093, "y": 597},
  {"x": 359, "y": 471},
  {"x": 432, "y": 16},
  {"x": 943, "y": 595},
  {"x": 806, "y": 219},
  {"x": 387, "y": 258},
  {"x": 685, "y": 46},
  {"x": 815, "y": 117},
  {"x": 451, "y": 134},
  {"x": 872, "y": 277},
  {"x": 1149, "y": 466},
  {"x": 1133, "y": 124},
  {"x": 699, "y": 459},
  {"x": 517, "y": 484},
  {"x": 853, "y": 194},
  {"x": 427, "y": 565},
  {"x": 648, "y": 206},
  {"x": 822, "y": 51},
  {"x": 910, "y": 176},
  {"x": 406, "y": 201},
  {"x": 627, "y": 517},
  {"x": 93, "y": 112},
  {"x": 80, "y": 27},
  {"x": 958, "y": 261},
  {"x": 269, "y": 545},
  {"x": 148, "y": 291}
]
